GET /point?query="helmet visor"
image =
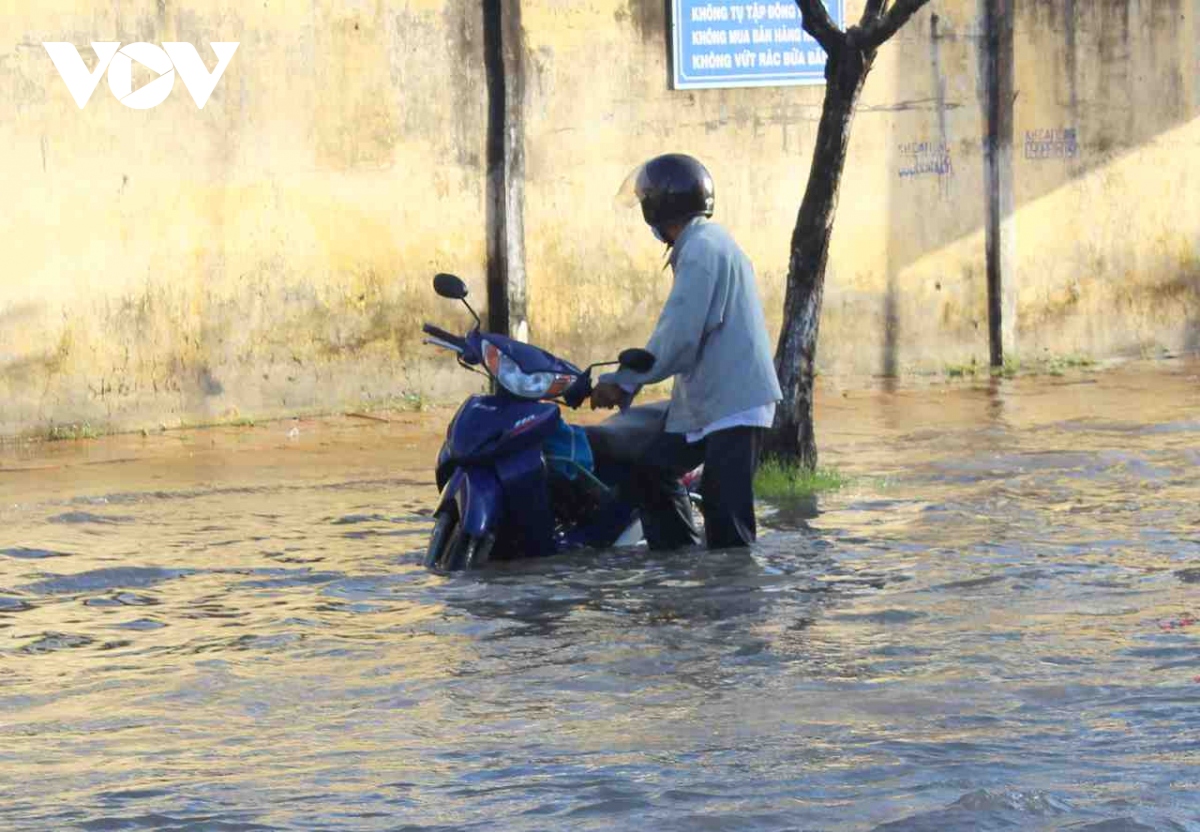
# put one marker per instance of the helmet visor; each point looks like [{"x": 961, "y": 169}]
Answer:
[{"x": 630, "y": 194}]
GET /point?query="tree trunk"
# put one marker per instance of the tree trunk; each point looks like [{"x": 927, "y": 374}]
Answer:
[{"x": 792, "y": 437}]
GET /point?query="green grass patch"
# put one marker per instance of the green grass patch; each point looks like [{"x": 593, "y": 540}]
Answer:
[
  {"x": 963, "y": 370},
  {"x": 1050, "y": 365},
  {"x": 777, "y": 480},
  {"x": 1015, "y": 366},
  {"x": 1010, "y": 369},
  {"x": 1059, "y": 363},
  {"x": 416, "y": 401},
  {"x": 59, "y": 433}
]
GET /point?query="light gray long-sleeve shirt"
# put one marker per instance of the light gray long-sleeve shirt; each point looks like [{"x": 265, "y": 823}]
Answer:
[{"x": 711, "y": 334}]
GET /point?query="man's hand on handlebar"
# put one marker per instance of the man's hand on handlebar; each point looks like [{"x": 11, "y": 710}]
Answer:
[{"x": 607, "y": 396}]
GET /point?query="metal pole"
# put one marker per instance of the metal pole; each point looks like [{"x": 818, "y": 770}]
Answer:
[
  {"x": 504, "y": 64},
  {"x": 1000, "y": 243}
]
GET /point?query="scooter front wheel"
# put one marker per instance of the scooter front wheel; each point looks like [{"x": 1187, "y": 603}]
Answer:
[
  {"x": 451, "y": 549},
  {"x": 444, "y": 528}
]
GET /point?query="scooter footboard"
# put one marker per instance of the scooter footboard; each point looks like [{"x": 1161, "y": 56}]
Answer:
[{"x": 478, "y": 499}]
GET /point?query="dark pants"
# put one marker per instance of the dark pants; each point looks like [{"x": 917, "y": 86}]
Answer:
[{"x": 730, "y": 459}]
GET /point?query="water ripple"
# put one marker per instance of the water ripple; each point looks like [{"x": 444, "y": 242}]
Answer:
[{"x": 999, "y": 635}]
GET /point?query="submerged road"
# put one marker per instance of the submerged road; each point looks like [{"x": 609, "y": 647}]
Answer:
[{"x": 995, "y": 627}]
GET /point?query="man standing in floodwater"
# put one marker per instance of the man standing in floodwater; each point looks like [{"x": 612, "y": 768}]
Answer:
[{"x": 712, "y": 338}]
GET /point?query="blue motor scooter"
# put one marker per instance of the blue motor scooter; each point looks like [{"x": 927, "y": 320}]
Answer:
[{"x": 515, "y": 479}]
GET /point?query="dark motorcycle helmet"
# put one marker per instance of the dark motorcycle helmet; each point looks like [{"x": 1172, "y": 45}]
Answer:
[{"x": 672, "y": 187}]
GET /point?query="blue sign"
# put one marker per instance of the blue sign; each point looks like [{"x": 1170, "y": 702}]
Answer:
[{"x": 741, "y": 43}]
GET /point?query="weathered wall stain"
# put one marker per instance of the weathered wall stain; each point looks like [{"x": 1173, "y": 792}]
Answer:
[
  {"x": 272, "y": 253},
  {"x": 268, "y": 255},
  {"x": 649, "y": 17},
  {"x": 880, "y": 291},
  {"x": 356, "y": 126}
]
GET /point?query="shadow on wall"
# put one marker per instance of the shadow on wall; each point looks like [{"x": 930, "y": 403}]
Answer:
[
  {"x": 17, "y": 364},
  {"x": 1095, "y": 80},
  {"x": 1185, "y": 291}
]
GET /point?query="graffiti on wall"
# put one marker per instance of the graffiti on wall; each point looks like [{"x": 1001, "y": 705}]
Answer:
[
  {"x": 1052, "y": 143},
  {"x": 925, "y": 159}
]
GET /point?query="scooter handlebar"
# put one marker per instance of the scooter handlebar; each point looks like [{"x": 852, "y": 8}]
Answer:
[
  {"x": 578, "y": 392},
  {"x": 443, "y": 335}
]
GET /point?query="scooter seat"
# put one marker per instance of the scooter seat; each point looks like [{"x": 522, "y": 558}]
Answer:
[{"x": 625, "y": 437}]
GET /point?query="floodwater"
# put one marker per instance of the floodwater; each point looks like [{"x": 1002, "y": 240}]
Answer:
[{"x": 994, "y": 628}]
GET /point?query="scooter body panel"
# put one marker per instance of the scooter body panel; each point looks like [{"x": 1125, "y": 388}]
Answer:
[
  {"x": 488, "y": 427},
  {"x": 496, "y": 484},
  {"x": 530, "y": 516},
  {"x": 490, "y": 467},
  {"x": 478, "y": 498}
]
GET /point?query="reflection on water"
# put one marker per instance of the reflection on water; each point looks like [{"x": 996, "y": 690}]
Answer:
[{"x": 996, "y": 629}]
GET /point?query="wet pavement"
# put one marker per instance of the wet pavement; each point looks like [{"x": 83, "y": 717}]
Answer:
[{"x": 995, "y": 627}]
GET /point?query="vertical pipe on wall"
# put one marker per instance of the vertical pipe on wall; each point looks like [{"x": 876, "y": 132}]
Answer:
[
  {"x": 1001, "y": 97},
  {"x": 503, "y": 50}
]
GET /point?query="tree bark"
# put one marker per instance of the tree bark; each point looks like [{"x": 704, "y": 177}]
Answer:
[
  {"x": 850, "y": 55},
  {"x": 792, "y": 437}
]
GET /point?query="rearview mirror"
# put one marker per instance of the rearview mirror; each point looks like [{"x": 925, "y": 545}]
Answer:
[
  {"x": 640, "y": 361},
  {"x": 449, "y": 286}
]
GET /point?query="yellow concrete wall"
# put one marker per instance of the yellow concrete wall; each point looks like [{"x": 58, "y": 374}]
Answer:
[
  {"x": 272, "y": 252},
  {"x": 1107, "y": 243},
  {"x": 607, "y": 278},
  {"x": 268, "y": 254}
]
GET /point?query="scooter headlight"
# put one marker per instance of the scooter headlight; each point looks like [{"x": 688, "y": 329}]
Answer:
[{"x": 517, "y": 381}]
